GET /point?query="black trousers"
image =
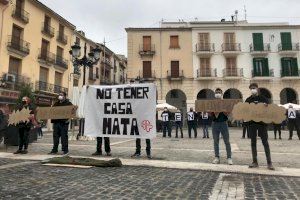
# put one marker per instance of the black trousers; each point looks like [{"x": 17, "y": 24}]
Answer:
[
  {"x": 192, "y": 125},
  {"x": 261, "y": 131},
  {"x": 138, "y": 146},
  {"x": 166, "y": 128},
  {"x": 293, "y": 124},
  {"x": 245, "y": 130},
  {"x": 60, "y": 130},
  {"x": 106, "y": 144},
  {"x": 179, "y": 125},
  {"x": 277, "y": 128},
  {"x": 23, "y": 138}
]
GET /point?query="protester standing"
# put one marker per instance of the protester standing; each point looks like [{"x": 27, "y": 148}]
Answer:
[
  {"x": 258, "y": 128},
  {"x": 192, "y": 122},
  {"x": 24, "y": 127},
  {"x": 178, "y": 123},
  {"x": 245, "y": 129},
  {"x": 205, "y": 124},
  {"x": 277, "y": 128},
  {"x": 220, "y": 126},
  {"x": 61, "y": 127},
  {"x": 99, "y": 146},
  {"x": 292, "y": 122},
  {"x": 166, "y": 115}
]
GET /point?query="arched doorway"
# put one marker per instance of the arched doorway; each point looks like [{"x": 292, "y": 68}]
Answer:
[
  {"x": 177, "y": 98},
  {"x": 206, "y": 94},
  {"x": 232, "y": 93},
  {"x": 266, "y": 93},
  {"x": 288, "y": 95}
]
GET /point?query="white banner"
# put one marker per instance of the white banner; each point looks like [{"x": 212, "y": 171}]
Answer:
[{"x": 123, "y": 111}]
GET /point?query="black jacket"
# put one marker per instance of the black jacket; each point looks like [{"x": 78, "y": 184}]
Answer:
[{"x": 64, "y": 103}]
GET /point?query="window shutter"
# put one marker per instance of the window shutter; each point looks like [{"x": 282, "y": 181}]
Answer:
[
  {"x": 284, "y": 67},
  {"x": 294, "y": 69},
  {"x": 265, "y": 71},
  {"x": 258, "y": 41},
  {"x": 286, "y": 41},
  {"x": 255, "y": 70}
]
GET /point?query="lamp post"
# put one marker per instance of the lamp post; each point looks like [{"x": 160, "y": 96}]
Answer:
[{"x": 86, "y": 61}]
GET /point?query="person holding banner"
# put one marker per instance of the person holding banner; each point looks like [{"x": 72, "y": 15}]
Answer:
[
  {"x": 205, "y": 123},
  {"x": 99, "y": 147},
  {"x": 292, "y": 122},
  {"x": 178, "y": 123},
  {"x": 220, "y": 126},
  {"x": 60, "y": 127},
  {"x": 258, "y": 128},
  {"x": 192, "y": 122},
  {"x": 166, "y": 115},
  {"x": 24, "y": 127}
]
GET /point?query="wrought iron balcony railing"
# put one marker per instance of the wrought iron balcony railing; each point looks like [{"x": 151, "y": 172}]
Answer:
[
  {"x": 51, "y": 88},
  {"x": 18, "y": 44},
  {"x": 231, "y": 47},
  {"x": 21, "y": 15},
  {"x": 47, "y": 30}
]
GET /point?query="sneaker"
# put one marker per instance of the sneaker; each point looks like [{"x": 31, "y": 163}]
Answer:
[
  {"x": 229, "y": 161},
  {"x": 136, "y": 155},
  {"x": 52, "y": 153},
  {"x": 108, "y": 154},
  {"x": 97, "y": 153},
  {"x": 270, "y": 167},
  {"x": 253, "y": 165},
  {"x": 18, "y": 152},
  {"x": 24, "y": 152},
  {"x": 149, "y": 156},
  {"x": 216, "y": 160}
]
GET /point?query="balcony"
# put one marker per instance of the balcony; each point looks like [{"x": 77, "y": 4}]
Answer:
[
  {"x": 148, "y": 76},
  {"x": 206, "y": 74},
  {"x": 107, "y": 63},
  {"x": 21, "y": 15},
  {"x": 205, "y": 50},
  {"x": 175, "y": 75},
  {"x": 105, "y": 80},
  {"x": 288, "y": 49},
  {"x": 147, "y": 50},
  {"x": 49, "y": 88},
  {"x": 260, "y": 51},
  {"x": 62, "y": 38},
  {"x": 289, "y": 74},
  {"x": 48, "y": 30},
  {"x": 61, "y": 62},
  {"x": 46, "y": 58},
  {"x": 18, "y": 46},
  {"x": 263, "y": 76},
  {"x": 233, "y": 73},
  {"x": 12, "y": 81},
  {"x": 230, "y": 49}
]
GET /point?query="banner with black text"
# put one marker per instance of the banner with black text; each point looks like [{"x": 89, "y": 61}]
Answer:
[{"x": 123, "y": 111}]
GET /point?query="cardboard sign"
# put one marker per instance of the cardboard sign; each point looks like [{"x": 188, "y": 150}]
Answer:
[
  {"x": 216, "y": 105},
  {"x": 271, "y": 113},
  {"x": 19, "y": 116},
  {"x": 58, "y": 112}
]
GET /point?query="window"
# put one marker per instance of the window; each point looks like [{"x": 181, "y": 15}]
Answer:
[
  {"x": 97, "y": 72},
  {"x": 204, "y": 42},
  {"x": 78, "y": 40},
  {"x": 16, "y": 36},
  {"x": 47, "y": 23},
  {"x": 14, "y": 65},
  {"x": 260, "y": 67},
  {"x": 258, "y": 41},
  {"x": 147, "y": 71},
  {"x": 205, "y": 67},
  {"x": 286, "y": 41},
  {"x": 19, "y": 7},
  {"x": 174, "y": 69},
  {"x": 231, "y": 69},
  {"x": 44, "y": 49},
  {"x": 174, "y": 41},
  {"x": 229, "y": 40},
  {"x": 289, "y": 67},
  {"x": 59, "y": 52},
  {"x": 58, "y": 78},
  {"x": 75, "y": 83},
  {"x": 61, "y": 30},
  {"x": 146, "y": 43},
  {"x": 44, "y": 74}
]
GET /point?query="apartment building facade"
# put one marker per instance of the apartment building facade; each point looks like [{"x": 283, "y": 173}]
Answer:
[
  {"x": 34, "y": 49},
  {"x": 228, "y": 54}
]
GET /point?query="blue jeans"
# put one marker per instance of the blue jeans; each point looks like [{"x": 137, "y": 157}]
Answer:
[{"x": 217, "y": 128}]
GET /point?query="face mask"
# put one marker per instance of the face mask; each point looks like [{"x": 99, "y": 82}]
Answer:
[
  {"x": 253, "y": 91},
  {"x": 218, "y": 96},
  {"x": 23, "y": 102},
  {"x": 60, "y": 98}
]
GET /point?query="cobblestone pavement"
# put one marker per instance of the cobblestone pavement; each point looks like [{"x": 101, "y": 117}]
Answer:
[
  {"x": 35, "y": 181},
  {"x": 285, "y": 153}
]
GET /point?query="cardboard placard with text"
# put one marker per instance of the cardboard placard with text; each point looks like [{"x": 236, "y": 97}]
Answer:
[
  {"x": 271, "y": 113},
  {"x": 216, "y": 105},
  {"x": 58, "y": 112}
]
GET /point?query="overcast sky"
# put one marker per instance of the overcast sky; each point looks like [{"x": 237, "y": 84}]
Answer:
[{"x": 109, "y": 18}]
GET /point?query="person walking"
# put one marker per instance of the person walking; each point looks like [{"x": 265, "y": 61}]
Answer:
[
  {"x": 178, "y": 123},
  {"x": 258, "y": 128},
  {"x": 192, "y": 122},
  {"x": 61, "y": 127},
  {"x": 99, "y": 146},
  {"x": 293, "y": 121},
  {"x": 24, "y": 127},
  {"x": 205, "y": 124},
  {"x": 220, "y": 126},
  {"x": 166, "y": 117}
]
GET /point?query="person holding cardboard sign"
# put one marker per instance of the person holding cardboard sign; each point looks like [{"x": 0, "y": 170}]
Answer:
[
  {"x": 292, "y": 121},
  {"x": 178, "y": 123},
  {"x": 220, "y": 126},
  {"x": 166, "y": 115},
  {"x": 60, "y": 127},
  {"x": 192, "y": 122},
  {"x": 258, "y": 128}
]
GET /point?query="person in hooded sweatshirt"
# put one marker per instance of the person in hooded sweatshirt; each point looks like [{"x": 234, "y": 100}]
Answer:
[{"x": 61, "y": 127}]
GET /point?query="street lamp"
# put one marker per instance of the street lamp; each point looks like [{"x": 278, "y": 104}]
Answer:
[{"x": 86, "y": 61}]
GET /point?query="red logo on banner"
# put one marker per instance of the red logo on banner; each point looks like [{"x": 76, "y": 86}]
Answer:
[{"x": 147, "y": 125}]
